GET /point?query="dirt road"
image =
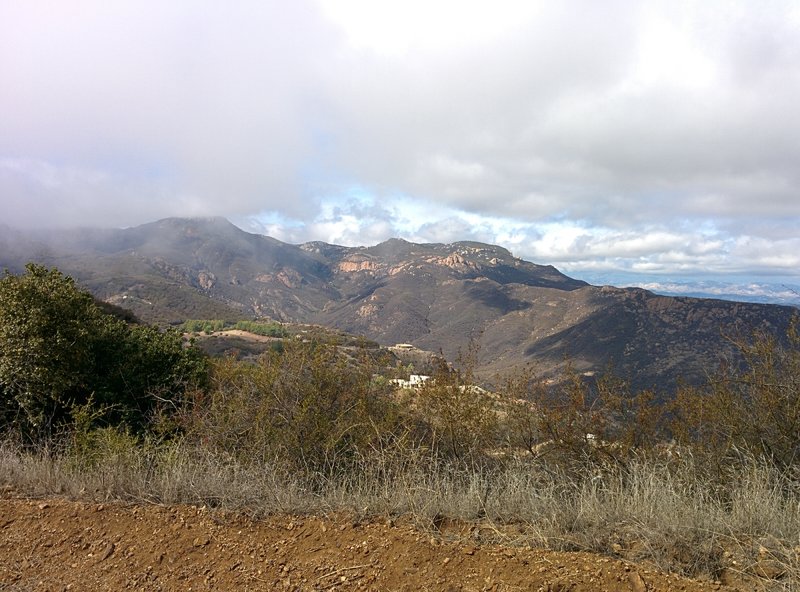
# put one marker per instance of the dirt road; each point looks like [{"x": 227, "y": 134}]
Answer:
[{"x": 59, "y": 545}]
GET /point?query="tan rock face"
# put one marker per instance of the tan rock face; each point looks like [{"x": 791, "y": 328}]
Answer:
[
  {"x": 206, "y": 280},
  {"x": 290, "y": 278},
  {"x": 454, "y": 261},
  {"x": 350, "y": 266},
  {"x": 368, "y": 311},
  {"x": 398, "y": 269}
]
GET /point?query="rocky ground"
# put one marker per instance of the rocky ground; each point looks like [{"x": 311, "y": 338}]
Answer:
[{"x": 58, "y": 545}]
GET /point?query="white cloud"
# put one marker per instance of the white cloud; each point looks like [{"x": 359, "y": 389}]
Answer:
[
  {"x": 36, "y": 192},
  {"x": 616, "y": 135},
  {"x": 396, "y": 27},
  {"x": 757, "y": 292}
]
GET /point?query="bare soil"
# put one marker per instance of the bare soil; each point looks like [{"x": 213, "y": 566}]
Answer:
[
  {"x": 58, "y": 545},
  {"x": 236, "y": 333}
]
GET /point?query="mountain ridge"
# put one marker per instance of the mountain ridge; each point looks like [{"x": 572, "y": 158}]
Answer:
[{"x": 434, "y": 295}]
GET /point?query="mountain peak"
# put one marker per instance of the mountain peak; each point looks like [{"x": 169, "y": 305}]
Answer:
[
  {"x": 392, "y": 249},
  {"x": 206, "y": 222}
]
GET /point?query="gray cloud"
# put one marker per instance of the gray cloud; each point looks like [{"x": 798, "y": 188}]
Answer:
[
  {"x": 195, "y": 100},
  {"x": 625, "y": 135}
]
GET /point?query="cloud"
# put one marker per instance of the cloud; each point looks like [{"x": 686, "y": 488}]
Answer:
[
  {"x": 219, "y": 99},
  {"x": 37, "y": 193},
  {"x": 628, "y": 135},
  {"x": 777, "y": 293}
]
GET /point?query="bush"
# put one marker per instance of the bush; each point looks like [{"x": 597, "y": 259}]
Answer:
[
  {"x": 753, "y": 408},
  {"x": 306, "y": 404},
  {"x": 459, "y": 414},
  {"x": 201, "y": 326},
  {"x": 59, "y": 351},
  {"x": 578, "y": 420}
]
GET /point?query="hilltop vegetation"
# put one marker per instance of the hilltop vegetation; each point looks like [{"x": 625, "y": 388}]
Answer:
[{"x": 93, "y": 404}]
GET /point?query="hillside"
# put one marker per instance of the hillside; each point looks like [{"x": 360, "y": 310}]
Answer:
[{"x": 434, "y": 296}]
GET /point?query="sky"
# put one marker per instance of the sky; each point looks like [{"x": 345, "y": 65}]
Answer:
[{"x": 652, "y": 143}]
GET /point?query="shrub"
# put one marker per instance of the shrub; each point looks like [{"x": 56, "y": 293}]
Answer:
[
  {"x": 580, "y": 422},
  {"x": 201, "y": 326},
  {"x": 459, "y": 415},
  {"x": 60, "y": 351},
  {"x": 753, "y": 408},
  {"x": 305, "y": 403}
]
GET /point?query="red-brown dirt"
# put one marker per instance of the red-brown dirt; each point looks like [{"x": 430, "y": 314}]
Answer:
[{"x": 58, "y": 545}]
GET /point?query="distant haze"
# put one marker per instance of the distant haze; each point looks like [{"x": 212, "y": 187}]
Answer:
[{"x": 621, "y": 139}]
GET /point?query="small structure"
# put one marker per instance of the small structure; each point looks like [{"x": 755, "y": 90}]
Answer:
[{"x": 414, "y": 381}]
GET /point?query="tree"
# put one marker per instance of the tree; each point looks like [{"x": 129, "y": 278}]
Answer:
[{"x": 60, "y": 350}]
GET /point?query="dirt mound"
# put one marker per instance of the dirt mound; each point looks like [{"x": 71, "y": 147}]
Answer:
[{"x": 57, "y": 545}]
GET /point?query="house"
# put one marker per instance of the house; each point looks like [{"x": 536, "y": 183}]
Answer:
[{"x": 414, "y": 381}]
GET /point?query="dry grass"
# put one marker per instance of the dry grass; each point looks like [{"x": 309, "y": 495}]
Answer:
[{"x": 666, "y": 513}]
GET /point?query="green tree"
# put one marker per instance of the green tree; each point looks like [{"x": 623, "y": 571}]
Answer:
[{"x": 60, "y": 351}]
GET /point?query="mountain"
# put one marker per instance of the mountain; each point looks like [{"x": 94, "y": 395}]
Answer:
[{"x": 435, "y": 296}]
